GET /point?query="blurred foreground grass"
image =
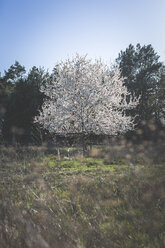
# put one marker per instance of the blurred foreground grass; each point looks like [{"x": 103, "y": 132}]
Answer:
[{"x": 61, "y": 199}]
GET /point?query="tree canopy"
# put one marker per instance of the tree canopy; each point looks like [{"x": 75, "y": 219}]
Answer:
[
  {"x": 81, "y": 96},
  {"x": 142, "y": 69},
  {"x": 86, "y": 97},
  {"x": 23, "y": 105}
]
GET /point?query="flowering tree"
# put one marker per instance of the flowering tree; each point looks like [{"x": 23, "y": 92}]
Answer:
[{"x": 86, "y": 97}]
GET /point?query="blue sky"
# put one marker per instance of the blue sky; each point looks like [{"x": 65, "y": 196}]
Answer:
[{"x": 42, "y": 32}]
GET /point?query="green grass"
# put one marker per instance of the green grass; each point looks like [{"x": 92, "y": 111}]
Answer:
[{"x": 92, "y": 202}]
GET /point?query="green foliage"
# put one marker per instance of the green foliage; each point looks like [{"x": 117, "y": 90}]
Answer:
[
  {"x": 6, "y": 89},
  {"x": 142, "y": 69},
  {"x": 159, "y": 101},
  {"x": 14, "y": 73},
  {"x": 23, "y": 105},
  {"x": 7, "y": 85}
]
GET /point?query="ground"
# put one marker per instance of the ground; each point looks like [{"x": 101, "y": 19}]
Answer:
[{"x": 52, "y": 199}]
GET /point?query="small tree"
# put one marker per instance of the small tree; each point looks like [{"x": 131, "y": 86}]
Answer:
[{"x": 86, "y": 97}]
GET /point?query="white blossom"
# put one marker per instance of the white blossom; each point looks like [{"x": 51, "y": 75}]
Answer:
[{"x": 86, "y": 97}]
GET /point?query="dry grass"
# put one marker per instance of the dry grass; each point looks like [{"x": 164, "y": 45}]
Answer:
[{"x": 110, "y": 199}]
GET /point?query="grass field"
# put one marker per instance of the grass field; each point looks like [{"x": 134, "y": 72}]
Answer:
[{"x": 63, "y": 201}]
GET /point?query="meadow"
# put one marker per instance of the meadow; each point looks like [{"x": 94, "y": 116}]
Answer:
[{"x": 113, "y": 197}]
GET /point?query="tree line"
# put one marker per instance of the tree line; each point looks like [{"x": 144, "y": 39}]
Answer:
[{"x": 21, "y": 97}]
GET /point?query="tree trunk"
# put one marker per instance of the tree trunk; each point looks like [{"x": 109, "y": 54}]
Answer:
[{"x": 84, "y": 145}]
